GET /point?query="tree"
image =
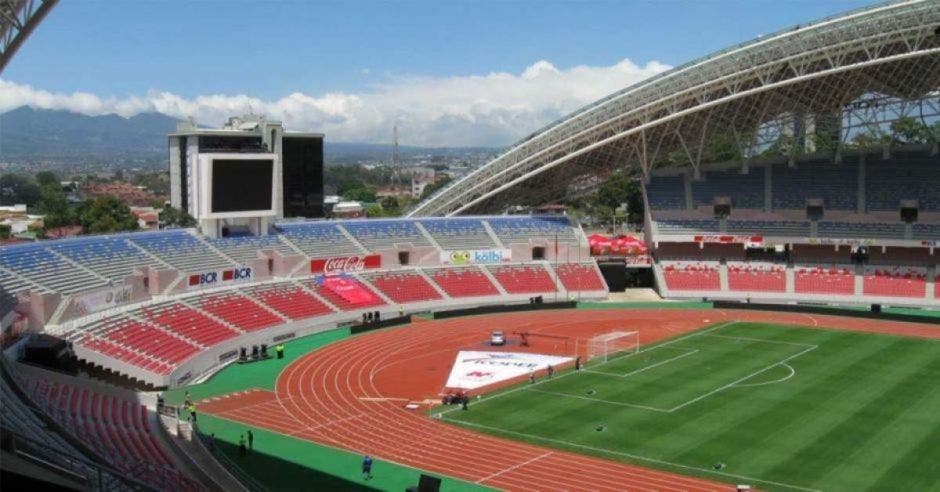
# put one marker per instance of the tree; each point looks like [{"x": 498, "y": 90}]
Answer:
[
  {"x": 363, "y": 194},
  {"x": 391, "y": 206},
  {"x": 5, "y": 231},
  {"x": 16, "y": 189},
  {"x": 45, "y": 178},
  {"x": 373, "y": 210},
  {"x": 55, "y": 206},
  {"x": 432, "y": 187},
  {"x": 908, "y": 130},
  {"x": 106, "y": 214},
  {"x": 174, "y": 217},
  {"x": 617, "y": 189}
]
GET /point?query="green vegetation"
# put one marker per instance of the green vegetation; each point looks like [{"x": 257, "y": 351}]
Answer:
[
  {"x": 780, "y": 408},
  {"x": 174, "y": 217},
  {"x": 18, "y": 189},
  {"x": 105, "y": 214}
]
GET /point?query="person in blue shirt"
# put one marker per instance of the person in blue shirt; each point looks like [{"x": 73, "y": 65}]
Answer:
[{"x": 367, "y": 467}]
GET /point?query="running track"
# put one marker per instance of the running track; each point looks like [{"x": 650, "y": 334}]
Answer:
[{"x": 351, "y": 394}]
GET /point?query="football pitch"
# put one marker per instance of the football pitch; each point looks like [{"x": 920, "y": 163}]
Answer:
[{"x": 778, "y": 408}]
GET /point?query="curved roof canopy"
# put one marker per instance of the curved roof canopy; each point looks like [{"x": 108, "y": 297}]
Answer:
[
  {"x": 804, "y": 89},
  {"x": 18, "y": 19}
]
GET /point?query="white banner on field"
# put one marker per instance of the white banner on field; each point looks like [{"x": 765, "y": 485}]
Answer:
[{"x": 474, "y": 369}]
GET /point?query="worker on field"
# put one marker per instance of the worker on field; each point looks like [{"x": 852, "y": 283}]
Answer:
[
  {"x": 367, "y": 467},
  {"x": 280, "y": 350},
  {"x": 251, "y": 440},
  {"x": 551, "y": 371}
]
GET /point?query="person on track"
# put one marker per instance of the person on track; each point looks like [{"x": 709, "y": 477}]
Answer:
[
  {"x": 367, "y": 467},
  {"x": 551, "y": 371},
  {"x": 251, "y": 440}
]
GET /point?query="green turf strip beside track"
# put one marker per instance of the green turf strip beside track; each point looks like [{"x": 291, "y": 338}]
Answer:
[
  {"x": 282, "y": 462},
  {"x": 856, "y": 412}
]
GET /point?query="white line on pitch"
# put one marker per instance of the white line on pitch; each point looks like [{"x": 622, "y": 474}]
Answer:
[
  {"x": 511, "y": 468},
  {"x": 620, "y": 403},
  {"x": 745, "y": 378},
  {"x": 635, "y": 456},
  {"x": 734, "y": 337},
  {"x": 645, "y": 368}
]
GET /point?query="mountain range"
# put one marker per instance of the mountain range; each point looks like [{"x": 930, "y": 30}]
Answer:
[{"x": 29, "y": 133}]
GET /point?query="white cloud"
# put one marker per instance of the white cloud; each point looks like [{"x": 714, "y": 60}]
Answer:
[{"x": 493, "y": 109}]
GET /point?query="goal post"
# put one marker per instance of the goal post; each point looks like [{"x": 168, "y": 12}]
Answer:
[{"x": 613, "y": 344}]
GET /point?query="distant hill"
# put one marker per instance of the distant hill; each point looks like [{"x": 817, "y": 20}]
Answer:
[{"x": 26, "y": 132}]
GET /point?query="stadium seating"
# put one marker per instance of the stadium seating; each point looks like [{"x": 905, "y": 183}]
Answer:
[
  {"x": 41, "y": 266},
  {"x": 522, "y": 229},
  {"x": 385, "y": 234},
  {"x": 579, "y": 277},
  {"x": 689, "y": 226},
  {"x": 188, "y": 323},
  {"x": 464, "y": 282},
  {"x": 835, "y": 184},
  {"x": 817, "y": 279},
  {"x": 905, "y": 176},
  {"x": 244, "y": 249},
  {"x": 756, "y": 277},
  {"x": 144, "y": 339},
  {"x": 237, "y": 310},
  {"x": 458, "y": 233},
  {"x": 181, "y": 250},
  {"x": 926, "y": 231},
  {"x": 319, "y": 239},
  {"x": 125, "y": 354},
  {"x": 666, "y": 193},
  {"x": 348, "y": 295},
  {"x": 861, "y": 230},
  {"x": 786, "y": 228},
  {"x": 17, "y": 417},
  {"x": 110, "y": 256},
  {"x": 523, "y": 279},
  {"x": 691, "y": 275},
  {"x": 116, "y": 428},
  {"x": 290, "y": 300},
  {"x": 895, "y": 281},
  {"x": 404, "y": 287},
  {"x": 745, "y": 190}
]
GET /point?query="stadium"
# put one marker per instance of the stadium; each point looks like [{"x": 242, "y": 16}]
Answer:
[{"x": 791, "y": 222}]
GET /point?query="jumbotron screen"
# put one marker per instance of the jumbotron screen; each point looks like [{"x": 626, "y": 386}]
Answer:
[{"x": 241, "y": 185}]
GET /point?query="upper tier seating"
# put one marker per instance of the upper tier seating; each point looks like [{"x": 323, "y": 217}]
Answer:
[
  {"x": 578, "y": 277},
  {"x": 691, "y": 275},
  {"x": 817, "y": 279},
  {"x": 291, "y": 300},
  {"x": 319, "y": 239},
  {"x": 188, "y": 323},
  {"x": 745, "y": 190},
  {"x": 927, "y": 231},
  {"x": 895, "y": 281},
  {"x": 523, "y": 279},
  {"x": 237, "y": 310},
  {"x": 244, "y": 249},
  {"x": 464, "y": 282},
  {"x": 835, "y": 184},
  {"x": 40, "y": 265},
  {"x": 182, "y": 251},
  {"x": 116, "y": 428},
  {"x": 10, "y": 284},
  {"x": 690, "y": 226},
  {"x": 110, "y": 256},
  {"x": 521, "y": 229},
  {"x": 756, "y": 277},
  {"x": 786, "y": 228},
  {"x": 666, "y": 193},
  {"x": 903, "y": 177},
  {"x": 385, "y": 234},
  {"x": 403, "y": 287},
  {"x": 861, "y": 230},
  {"x": 458, "y": 233}
]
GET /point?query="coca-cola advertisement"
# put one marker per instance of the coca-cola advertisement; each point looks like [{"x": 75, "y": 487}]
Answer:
[{"x": 334, "y": 266}]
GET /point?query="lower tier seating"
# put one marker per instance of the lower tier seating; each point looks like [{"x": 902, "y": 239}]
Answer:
[
  {"x": 757, "y": 277},
  {"x": 464, "y": 282},
  {"x": 824, "y": 280},
  {"x": 895, "y": 281},
  {"x": 525, "y": 279},
  {"x": 292, "y": 301},
  {"x": 576, "y": 277},
  {"x": 692, "y": 276},
  {"x": 116, "y": 428},
  {"x": 346, "y": 293},
  {"x": 404, "y": 287},
  {"x": 150, "y": 340},
  {"x": 239, "y": 311},
  {"x": 189, "y": 323}
]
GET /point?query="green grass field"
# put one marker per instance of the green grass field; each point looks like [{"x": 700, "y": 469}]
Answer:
[{"x": 779, "y": 408}]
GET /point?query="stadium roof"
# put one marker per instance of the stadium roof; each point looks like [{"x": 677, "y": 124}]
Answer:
[
  {"x": 18, "y": 19},
  {"x": 835, "y": 77}
]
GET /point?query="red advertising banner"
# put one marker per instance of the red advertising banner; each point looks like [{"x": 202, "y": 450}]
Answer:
[
  {"x": 333, "y": 266},
  {"x": 729, "y": 239}
]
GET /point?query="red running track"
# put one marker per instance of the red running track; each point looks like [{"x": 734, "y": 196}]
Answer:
[{"x": 351, "y": 394}]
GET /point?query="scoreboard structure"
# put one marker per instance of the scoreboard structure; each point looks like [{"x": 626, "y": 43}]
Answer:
[{"x": 240, "y": 178}]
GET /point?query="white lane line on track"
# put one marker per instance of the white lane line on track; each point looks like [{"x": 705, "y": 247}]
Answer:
[{"x": 511, "y": 468}]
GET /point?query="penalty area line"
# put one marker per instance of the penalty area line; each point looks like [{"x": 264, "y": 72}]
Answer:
[
  {"x": 637, "y": 371},
  {"x": 633, "y": 456}
]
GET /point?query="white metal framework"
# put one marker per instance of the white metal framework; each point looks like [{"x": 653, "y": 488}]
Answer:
[
  {"x": 613, "y": 344},
  {"x": 18, "y": 19},
  {"x": 805, "y": 89}
]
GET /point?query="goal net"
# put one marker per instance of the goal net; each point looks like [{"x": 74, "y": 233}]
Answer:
[{"x": 612, "y": 345}]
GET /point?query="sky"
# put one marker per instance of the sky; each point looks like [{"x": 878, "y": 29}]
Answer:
[{"x": 463, "y": 73}]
